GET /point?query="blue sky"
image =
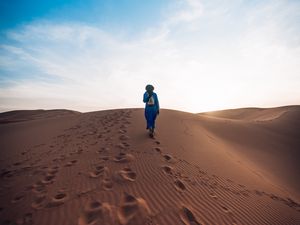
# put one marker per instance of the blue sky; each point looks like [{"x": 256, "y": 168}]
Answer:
[
  {"x": 200, "y": 55},
  {"x": 132, "y": 14}
]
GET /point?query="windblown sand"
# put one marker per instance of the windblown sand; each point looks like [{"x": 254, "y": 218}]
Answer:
[{"x": 60, "y": 167}]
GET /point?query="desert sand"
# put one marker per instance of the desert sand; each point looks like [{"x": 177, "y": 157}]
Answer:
[{"x": 239, "y": 166}]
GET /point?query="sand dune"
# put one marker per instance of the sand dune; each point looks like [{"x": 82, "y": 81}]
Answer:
[
  {"x": 254, "y": 114},
  {"x": 227, "y": 167},
  {"x": 269, "y": 138},
  {"x": 25, "y": 115}
]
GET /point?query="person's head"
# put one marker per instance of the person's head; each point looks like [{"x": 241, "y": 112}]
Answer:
[{"x": 149, "y": 88}]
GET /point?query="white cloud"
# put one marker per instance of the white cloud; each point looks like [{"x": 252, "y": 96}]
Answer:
[
  {"x": 206, "y": 55},
  {"x": 188, "y": 11}
]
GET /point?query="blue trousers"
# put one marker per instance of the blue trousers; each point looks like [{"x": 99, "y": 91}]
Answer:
[{"x": 150, "y": 115}]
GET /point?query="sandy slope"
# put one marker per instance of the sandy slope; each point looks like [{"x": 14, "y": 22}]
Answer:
[
  {"x": 230, "y": 167},
  {"x": 269, "y": 138}
]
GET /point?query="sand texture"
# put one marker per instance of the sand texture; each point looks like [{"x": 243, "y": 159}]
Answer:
[{"x": 239, "y": 166}]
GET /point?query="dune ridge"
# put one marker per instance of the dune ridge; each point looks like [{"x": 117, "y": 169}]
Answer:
[
  {"x": 25, "y": 115},
  {"x": 253, "y": 114},
  {"x": 65, "y": 167}
]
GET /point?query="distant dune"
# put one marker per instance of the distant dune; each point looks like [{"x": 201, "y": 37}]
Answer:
[
  {"x": 238, "y": 166},
  {"x": 25, "y": 115},
  {"x": 255, "y": 114}
]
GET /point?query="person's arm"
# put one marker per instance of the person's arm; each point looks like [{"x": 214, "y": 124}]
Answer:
[{"x": 146, "y": 97}]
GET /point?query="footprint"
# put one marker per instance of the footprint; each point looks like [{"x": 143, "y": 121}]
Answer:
[
  {"x": 124, "y": 158},
  {"x": 104, "y": 158},
  {"x": 188, "y": 217},
  {"x": 18, "y": 197},
  {"x": 125, "y": 144},
  {"x": 121, "y": 131},
  {"x": 168, "y": 157},
  {"x": 57, "y": 200},
  {"x": 100, "y": 170},
  {"x": 158, "y": 149},
  {"x": 23, "y": 153},
  {"x": 133, "y": 210},
  {"x": 179, "y": 185},
  {"x": 126, "y": 174},
  {"x": 39, "y": 187},
  {"x": 79, "y": 151},
  {"x": 55, "y": 160},
  {"x": 48, "y": 179},
  {"x": 97, "y": 213},
  {"x": 124, "y": 137},
  {"x": 167, "y": 170},
  {"x": 121, "y": 146},
  {"x": 39, "y": 202},
  {"x": 107, "y": 184},
  {"x": 53, "y": 170},
  {"x": 6, "y": 173},
  {"x": 291, "y": 203},
  {"x": 17, "y": 163},
  {"x": 71, "y": 163},
  {"x": 123, "y": 126},
  {"x": 103, "y": 149},
  {"x": 100, "y": 151}
]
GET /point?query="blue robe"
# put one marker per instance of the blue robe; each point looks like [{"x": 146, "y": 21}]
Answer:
[{"x": 151, "y": 111}]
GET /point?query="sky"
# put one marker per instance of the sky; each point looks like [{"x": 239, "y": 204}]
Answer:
[{"x": 200, "y": 55}]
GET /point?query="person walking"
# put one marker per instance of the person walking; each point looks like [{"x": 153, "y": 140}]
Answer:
[{"x": 151, "y": 108}]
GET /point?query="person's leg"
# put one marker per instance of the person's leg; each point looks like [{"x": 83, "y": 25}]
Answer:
[
  {"x": 150, "y": 115},
  {"x": 152, "y": 118},
  {"x": 147, "y": 117}
]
